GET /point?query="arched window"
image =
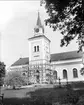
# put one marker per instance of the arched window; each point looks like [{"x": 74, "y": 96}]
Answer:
[
  {"x": 64, "y": 74},
  {"x": 34, "y": 48},
  {"x": 37, "y": 48},
  {"x": 55, "y": 74},
  {"x": 75, "y": 73}
]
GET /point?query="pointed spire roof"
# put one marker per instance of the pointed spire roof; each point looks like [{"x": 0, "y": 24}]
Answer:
[
  {"x": 39, "y": 20},
  {"x": 39, "y": 25}
]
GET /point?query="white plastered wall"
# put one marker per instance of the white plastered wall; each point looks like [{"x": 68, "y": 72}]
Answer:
[{"x": 69, "y": 65}]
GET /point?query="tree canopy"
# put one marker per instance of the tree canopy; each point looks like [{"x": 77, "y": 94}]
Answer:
[
  {"x": 68, "y": 17},
  {"x": 2, "y": 72},
  {"x": 14, "y": 78}
]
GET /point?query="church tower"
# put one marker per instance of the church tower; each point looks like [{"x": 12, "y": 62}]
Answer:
[{"x": 39, "y": 47}]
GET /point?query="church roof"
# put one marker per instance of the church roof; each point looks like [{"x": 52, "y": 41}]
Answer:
[
  {"x": 54, "y": 57},
  {"x": 66, "y": 56},
  {"x": 21, "y": 61}
]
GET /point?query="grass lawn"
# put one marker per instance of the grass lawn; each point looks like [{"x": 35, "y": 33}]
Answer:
[
  {"x": 26, "y": 95},
  {"x": 19, "y": 93},
  {"x": 23, "y": 92},
  {"x": 21, "y": 96}
]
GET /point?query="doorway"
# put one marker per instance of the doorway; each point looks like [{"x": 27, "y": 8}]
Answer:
[{"x": 37, "y": 76}]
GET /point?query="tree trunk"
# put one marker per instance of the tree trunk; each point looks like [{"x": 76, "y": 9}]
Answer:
[{"x": 0, "y": 90}]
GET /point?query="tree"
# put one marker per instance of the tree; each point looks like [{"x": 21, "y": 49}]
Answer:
[
  {"x": 68, "y": 17},
  {"x": 2, "y": 72},
  {"x": 14, "y": 78}
]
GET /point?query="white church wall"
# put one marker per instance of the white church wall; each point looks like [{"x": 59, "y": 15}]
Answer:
[
  {"x": 69, "y": 66},
  {"x": 46, "y": 50},
  {"x": 32, "y": 54},
  {"x": 43, "y": 56}
]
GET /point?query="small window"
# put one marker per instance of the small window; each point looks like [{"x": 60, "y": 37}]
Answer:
[
  {"x": 37, "y": 48},
  {"x": 75, "y": 73},
  {"x": 34, "y": 48},
  {"x": 65, "y": 74}
]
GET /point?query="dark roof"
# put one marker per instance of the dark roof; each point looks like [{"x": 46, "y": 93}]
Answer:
[
  {"x": 21, "y": 61},
  {"x": 66, "y": 56},
  {"x": 54, "y": 57}
]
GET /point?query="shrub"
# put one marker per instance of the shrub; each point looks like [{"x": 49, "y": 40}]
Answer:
[
  {"x": 77, "y": 84},
  {"x": 68, "y": 86},
  {"x": 81, "y": 100},
  {"x": 69, "y": 97}
]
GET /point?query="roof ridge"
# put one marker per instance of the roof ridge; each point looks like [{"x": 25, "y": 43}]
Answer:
[{"x": 54, "y": 57}]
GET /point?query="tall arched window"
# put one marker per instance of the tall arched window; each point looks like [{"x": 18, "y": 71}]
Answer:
[
  {"x": 64, "y": 74},
  {"x": 75, "y": 73},
  {"x": 37, "y": 48},
  {"x": 55, "y": 74},
  {"x": 34, "y": 48}
]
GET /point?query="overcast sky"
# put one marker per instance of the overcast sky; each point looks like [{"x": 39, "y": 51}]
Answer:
[{"x": 17, "y": 22}]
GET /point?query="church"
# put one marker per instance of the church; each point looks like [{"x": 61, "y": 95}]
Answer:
[{"x": 42, "y": 67}]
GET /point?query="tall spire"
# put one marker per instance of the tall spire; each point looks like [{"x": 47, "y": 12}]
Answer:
[
  {"x": 39, "y": 29},
  {"x": 39, "y": 20}
]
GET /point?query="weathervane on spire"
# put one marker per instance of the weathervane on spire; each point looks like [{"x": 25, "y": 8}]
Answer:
[{"x": 39, "y": 29}]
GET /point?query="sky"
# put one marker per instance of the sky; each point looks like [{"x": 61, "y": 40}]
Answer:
[{"x": 17, "y": 22}]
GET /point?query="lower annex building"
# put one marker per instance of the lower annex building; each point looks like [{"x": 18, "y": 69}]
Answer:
[{"x": 43, "y": 67}]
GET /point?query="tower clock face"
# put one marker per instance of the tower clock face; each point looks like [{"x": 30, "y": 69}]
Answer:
[{"x": 36, "y": 29}]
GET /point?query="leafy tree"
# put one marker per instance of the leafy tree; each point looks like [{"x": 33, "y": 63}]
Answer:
[
  {"x": 14, "y": 78},
  {"x": 68, "y": 17},
  {"x": 2, "y": 72}
]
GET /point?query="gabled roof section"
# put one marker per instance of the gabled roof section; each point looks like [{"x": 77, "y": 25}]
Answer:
[
  {"x": 66, "y": 56},
  {"x": 54, "y": 57},
  {"x": 21, "y": 61}
]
